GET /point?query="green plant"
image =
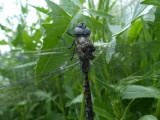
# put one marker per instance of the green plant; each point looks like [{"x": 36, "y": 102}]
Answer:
[{"x": 124, "y": 76}]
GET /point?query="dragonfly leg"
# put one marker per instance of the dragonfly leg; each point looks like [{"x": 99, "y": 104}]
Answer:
[
  {"x": 70, "y": 33},
  {"x": 72, "y": 44},
  {"x": 74, "y": 51},
  {"x": 66, "y": 43}
]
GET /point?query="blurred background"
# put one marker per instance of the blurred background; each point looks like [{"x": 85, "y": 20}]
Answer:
[{"x": 39, "y": 82}]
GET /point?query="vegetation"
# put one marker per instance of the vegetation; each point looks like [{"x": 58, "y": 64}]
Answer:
[{"x": 38, "y": 81}]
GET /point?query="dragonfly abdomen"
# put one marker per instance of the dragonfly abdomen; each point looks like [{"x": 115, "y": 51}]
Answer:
[{"x": 87, "y": 97}]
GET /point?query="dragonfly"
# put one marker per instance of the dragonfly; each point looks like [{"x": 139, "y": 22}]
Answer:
[
  {"x": 84, "y": 49},
  {"x": 23, "y": 77}
]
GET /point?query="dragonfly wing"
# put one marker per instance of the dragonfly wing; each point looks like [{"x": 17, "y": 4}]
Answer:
[{"x": 19, "y": 81}]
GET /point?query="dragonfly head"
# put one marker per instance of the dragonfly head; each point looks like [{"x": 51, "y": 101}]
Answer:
[{"x": 81, "y": 29}]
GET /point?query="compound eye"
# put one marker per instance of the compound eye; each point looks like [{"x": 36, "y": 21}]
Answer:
[
  {"x": 81, "y": 29},
  {"x": 81, "y": 25}
]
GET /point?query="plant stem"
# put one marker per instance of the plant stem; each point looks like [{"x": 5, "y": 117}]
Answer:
[
  {"x": 82, "y": 109},
  {"x": 126, "y": 110},
  {"x": 158, "y": 110},
  {"x": 60, "y": 98}
]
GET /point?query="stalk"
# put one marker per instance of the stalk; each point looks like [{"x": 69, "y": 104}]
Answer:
[
  {"x": 82, "y": 109},
  {"x": 158, "y": 109},
  {"x": 91, "y": 4},
  {"x": 126, "y": 110},
  {"x": 60, "y": 98}
]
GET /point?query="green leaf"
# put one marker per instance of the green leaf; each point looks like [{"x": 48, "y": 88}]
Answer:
[
  {"x": 27, "y": 41},
  {"x": 127, "y": 19},
  {"x": 157, "y": 15},
  {"x": 79, "y": 3},
  {"x": 78, "y": 99},
  {"x": 151, "y": 2},
  {"x": 104, "y": 109},
  {"x": 24, "y": 9},
  {"x": 55, "y": 116},
  {"x": 69, "y": 7},
  {"x": 130, "y": 80},
  {"x": 60, "y": 24},
  {"x": 148, "y": 117},
  {"x": 45, "y": 11},
  {"x": 111, "y": 49},
  {"x": 134, "y": 30},
  {"x": 102, "y": 112},
  {"x": 155, "y": 70},
  {"x": 57, "y": 13},
  {"x": 5, "y": 28},
  {"x": 155, "y": 27},
  {"x": 98, "y": 13},
  {"x": 43, "y": 95},
  {"x": 18, "y": 36},
  {"x": 47, "y": 63},
  {"x": 137, "y": 91},
  {"x": 3, "y": 42},
  {"x": 147, "y": 35}
]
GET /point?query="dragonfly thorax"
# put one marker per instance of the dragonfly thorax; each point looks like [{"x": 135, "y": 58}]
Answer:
[{"x": 85, "y": 48}]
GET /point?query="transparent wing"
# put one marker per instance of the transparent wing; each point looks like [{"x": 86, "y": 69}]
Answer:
[
  {"x": 125, "y": 62},
  {"x": 19, "y": 80},
  {"x": 31, "y": 75}
]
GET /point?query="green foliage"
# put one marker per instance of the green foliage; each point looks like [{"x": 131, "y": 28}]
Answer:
[
  {"x": 124, "y": 77},
  {"x": 148, "y": 117},
  {"x": 151, "y": 2},
  {"x": 135, "y": 91}
]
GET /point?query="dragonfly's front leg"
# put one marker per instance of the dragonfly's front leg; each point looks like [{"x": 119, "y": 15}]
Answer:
[
  {"x": 74, "y": 51},
  {"x": 73, "y": 43},
  {"x": 70, "y": 33},
  {"x": 66, "y": 43}
]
